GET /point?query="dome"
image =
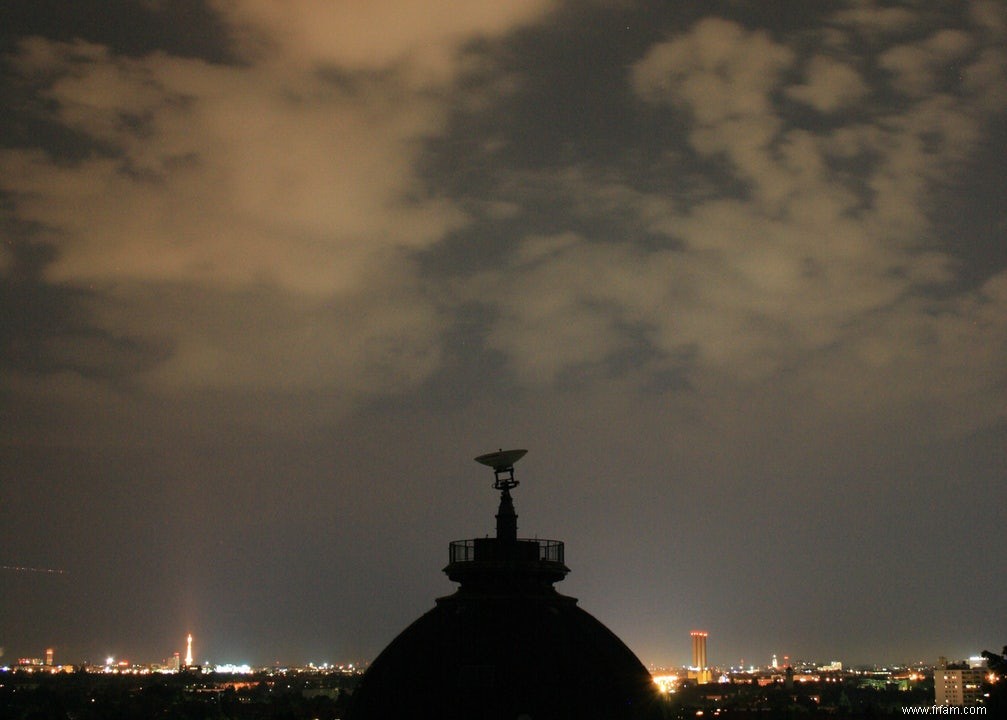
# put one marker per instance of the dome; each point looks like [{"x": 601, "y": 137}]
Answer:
[{"x": 506, "y": 645}]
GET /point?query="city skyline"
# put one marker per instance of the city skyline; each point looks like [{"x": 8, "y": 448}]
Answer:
[
  {"x": 271, "y": 275},
  {"x": 669, "y": 659}
]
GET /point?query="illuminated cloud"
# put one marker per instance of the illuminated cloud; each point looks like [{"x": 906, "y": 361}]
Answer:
[
  {"x": 718, "y": 71},
  {"x": 419, "y": 41},
  {"x": 830, "y": 85},
  {"x": 811, "y": 266},
  {"x": 291, "y": 175},
  {"x": 916, "y": 69},
  {"x": 869, "y": 19},
  {"x": 226, "y": 176}
]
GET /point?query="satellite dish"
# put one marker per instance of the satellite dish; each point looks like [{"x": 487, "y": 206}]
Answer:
[
  {"x": 502, "y": 463},
  {"x": 501, "y": 460}
]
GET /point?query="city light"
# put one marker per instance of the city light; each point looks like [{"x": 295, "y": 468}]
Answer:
[
  {"x": 667, "y": 683},
  {"x": 231, "y": 669}
]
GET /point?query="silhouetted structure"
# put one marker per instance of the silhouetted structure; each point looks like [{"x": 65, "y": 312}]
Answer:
[{"x": 506, "y": 644}]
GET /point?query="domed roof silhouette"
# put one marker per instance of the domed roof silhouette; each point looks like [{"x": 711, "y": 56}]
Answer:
[{"x": 506, "y": 645}]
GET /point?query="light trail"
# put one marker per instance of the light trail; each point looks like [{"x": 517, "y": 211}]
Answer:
[{"x": 26, "y": 569}]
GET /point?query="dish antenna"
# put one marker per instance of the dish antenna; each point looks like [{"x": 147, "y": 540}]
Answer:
[{"x": 502, "y": 463}]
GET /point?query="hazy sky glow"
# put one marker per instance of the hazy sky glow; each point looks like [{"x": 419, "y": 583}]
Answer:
[{"x": 273, "y": 273}]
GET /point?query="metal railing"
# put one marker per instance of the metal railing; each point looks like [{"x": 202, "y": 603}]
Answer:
[{"x": 465, "y": 550}]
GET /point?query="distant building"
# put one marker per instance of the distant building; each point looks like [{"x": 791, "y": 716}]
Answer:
[
  {"x": 698, "y": 649},
  {"x": 699, "y": 671},
  {"x": 958, "y": 685}
]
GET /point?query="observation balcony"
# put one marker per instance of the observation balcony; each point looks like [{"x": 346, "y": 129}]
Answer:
[
  {"x": 523, "y": 549},
  {"x": 495, "y": 566}
]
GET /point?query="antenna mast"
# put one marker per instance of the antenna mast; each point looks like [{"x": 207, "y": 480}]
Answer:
[{"x": 502, "y": 463}]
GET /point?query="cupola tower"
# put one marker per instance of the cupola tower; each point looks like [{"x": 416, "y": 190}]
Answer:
[{"x": 506, "y": 644}]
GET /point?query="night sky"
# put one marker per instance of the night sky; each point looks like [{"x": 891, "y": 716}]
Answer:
[{"x": 273, "y": 273}]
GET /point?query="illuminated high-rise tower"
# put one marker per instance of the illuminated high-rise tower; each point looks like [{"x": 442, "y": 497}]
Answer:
[
  {"x": 702, "y": 672},
  {"x": 188, "y": 650},
  {"x": 698, "y": 649}
]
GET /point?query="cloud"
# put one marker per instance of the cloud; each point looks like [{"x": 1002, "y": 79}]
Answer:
[
  {"x": 718, "y": 71},
  {"x": 937, "y": 363},
  {"x": 829, "y": 86},
  {"x": 224, "y": 176},
  {"x": 868, "y": 19},
  {"x": 230, "y": 182},
  {"x": 916, "y": 68},
  {"x": 420, "y": 41},
  {"x": 568, "y": 300},
  {"x": 259, "y": 224},
  {"x": 292, "y": 175},
  {"x": 812, "y": 269},
  {"x": 991, "y": 17}
]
